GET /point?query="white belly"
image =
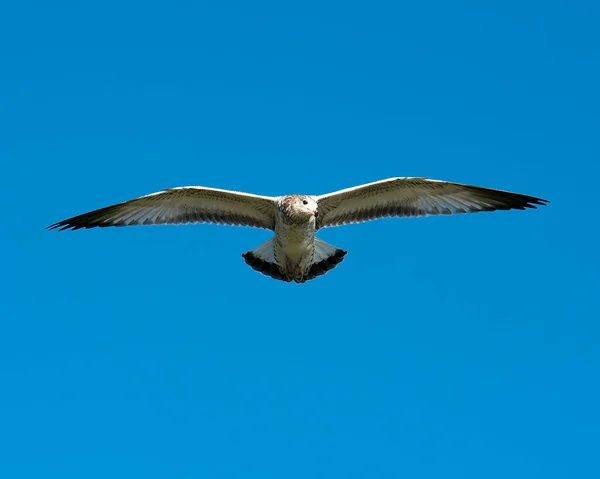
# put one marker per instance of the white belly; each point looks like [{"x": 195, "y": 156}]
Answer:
[{"x": 294, "y": 250}]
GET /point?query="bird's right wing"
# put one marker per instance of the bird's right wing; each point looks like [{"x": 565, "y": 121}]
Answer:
[
  {"x": 414, "y": 197},
  {"x": 190, "y": 204}
]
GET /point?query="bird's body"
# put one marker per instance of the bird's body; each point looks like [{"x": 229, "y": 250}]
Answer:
[
  {"x": 294, "y": 253},
  {"x": 294, "y": 240}
]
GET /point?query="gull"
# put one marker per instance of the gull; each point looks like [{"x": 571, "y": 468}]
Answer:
[{"x": 294, "y": 253}]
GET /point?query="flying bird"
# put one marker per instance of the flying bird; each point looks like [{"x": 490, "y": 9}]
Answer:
[{"x": 294, "y": 253}]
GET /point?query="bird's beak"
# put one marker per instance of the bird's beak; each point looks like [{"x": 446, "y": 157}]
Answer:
[{"x": 316, "y": 213}]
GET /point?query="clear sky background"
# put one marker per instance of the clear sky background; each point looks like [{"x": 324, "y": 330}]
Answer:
[{"x": 462, "y": 346}]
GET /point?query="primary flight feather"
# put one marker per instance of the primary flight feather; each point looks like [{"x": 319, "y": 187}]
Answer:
[{"x": 294, "y": 253}]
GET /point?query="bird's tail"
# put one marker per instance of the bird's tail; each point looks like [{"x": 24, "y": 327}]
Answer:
[
  {"x": 327, "y": 257},
  {"x": 262, "y": 259}
]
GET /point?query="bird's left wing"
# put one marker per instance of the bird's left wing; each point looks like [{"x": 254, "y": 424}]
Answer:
[
  {"x": 190, "y": 204},
  {"x": 414, "y": 197}
]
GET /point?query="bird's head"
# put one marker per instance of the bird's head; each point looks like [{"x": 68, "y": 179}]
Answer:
[{"x": 299, "y": 207}]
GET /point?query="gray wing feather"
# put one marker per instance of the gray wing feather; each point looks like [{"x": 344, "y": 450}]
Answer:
[
  {"x": 190, "y": 204},
  {"x": 411, "y": 197}
]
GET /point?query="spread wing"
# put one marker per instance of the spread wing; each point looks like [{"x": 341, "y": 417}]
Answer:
[
  {"x": 191, "y": 204},
  {"x": 414, "y": 197}
]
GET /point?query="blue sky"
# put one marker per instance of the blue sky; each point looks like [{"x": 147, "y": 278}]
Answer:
[{"x": 441, "y": 347}]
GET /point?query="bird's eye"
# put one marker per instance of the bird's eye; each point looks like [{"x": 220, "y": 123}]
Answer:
[{"x": 304, "y": 202}]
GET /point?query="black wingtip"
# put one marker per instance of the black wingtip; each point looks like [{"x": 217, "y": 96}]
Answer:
[
  {"x": 535, "y": 202},
  {"x": 61, "y": 226}
]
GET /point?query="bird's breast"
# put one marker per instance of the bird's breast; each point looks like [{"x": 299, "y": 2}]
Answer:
[{"x": 294, "y": 242}]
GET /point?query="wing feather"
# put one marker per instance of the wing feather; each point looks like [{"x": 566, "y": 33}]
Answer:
[
  {"x": 414, "y": 197},
  {"x": 190, "y": 204}
]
